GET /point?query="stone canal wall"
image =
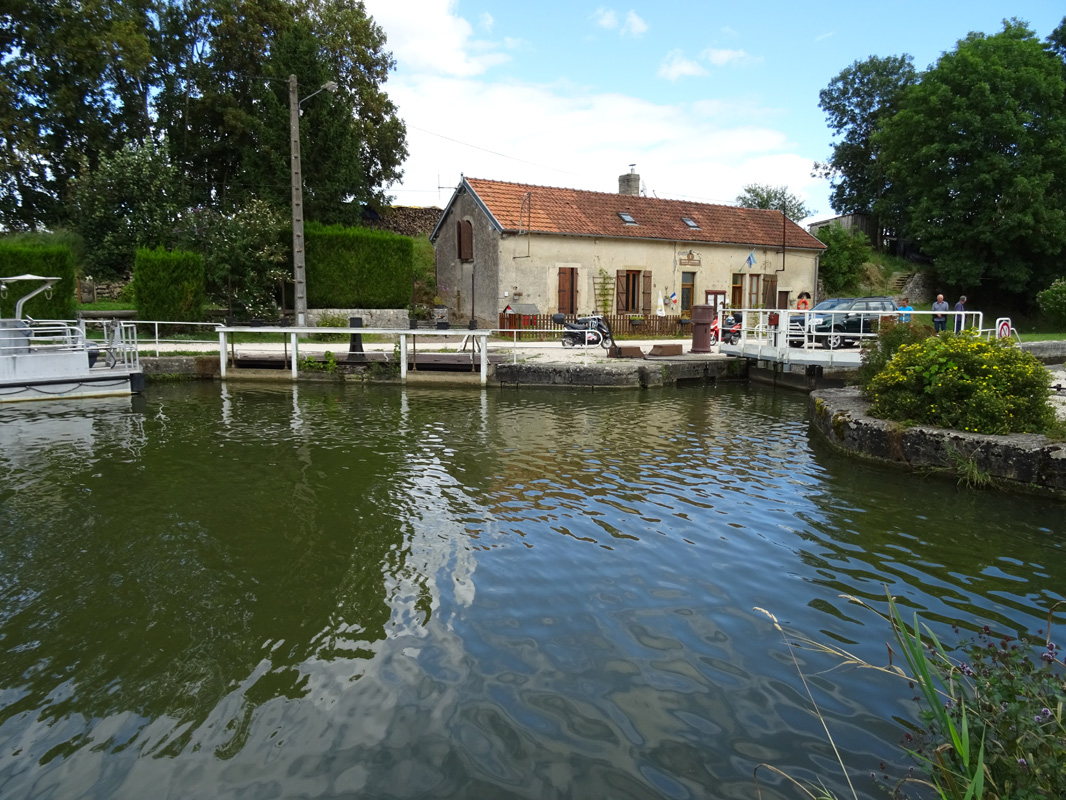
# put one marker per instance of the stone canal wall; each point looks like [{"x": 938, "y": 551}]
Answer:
[
  {"x": 622, "y": 374},
  {"x": 1026, "y": 462}
]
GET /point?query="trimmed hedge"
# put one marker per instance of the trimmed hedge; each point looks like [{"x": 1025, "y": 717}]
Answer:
[
  {"x": 357, "y": 267},
  {"x": 48, "y": 261},
  {"x": 169, "y": 286}
]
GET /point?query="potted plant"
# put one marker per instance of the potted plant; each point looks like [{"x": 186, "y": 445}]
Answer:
[
  {"x": 636, "y": 320},
  {"x": 418, "y": 312}
]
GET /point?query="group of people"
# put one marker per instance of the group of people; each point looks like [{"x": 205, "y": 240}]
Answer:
[{"x": 940, "y": 313}]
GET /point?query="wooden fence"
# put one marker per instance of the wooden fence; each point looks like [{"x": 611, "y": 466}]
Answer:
[{"x": 539, "y": 327}]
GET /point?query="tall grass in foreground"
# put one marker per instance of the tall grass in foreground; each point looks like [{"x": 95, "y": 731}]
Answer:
[{"x": 991, "y": 711}]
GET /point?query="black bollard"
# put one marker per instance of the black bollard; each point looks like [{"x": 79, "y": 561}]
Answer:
[{"x": 355, "y": 344}]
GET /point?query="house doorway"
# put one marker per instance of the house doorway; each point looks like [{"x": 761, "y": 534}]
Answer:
[
  {"x": 736, "y": 295},
  {"x": 688, "y": 288},
  {"x": 567, "y": 290},
  {"x": 714, "y": 299}
]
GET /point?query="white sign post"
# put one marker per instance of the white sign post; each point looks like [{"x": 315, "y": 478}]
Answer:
[{"x": 1003, "y": 328}]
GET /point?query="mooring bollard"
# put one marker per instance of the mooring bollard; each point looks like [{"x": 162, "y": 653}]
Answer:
[{"x": 355, "y": 344}]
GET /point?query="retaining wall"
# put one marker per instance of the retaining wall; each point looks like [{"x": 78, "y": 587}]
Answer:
[{"x": 1022, "y": 462}]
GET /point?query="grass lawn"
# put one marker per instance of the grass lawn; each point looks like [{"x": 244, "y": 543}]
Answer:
[{"x": 1042, "y": 337}]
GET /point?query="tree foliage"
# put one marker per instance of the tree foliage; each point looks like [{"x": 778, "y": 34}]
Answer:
[
  {"x": 779, "y": 198},
  {"x": 840, "y": 266},
  {"x": 976, "y": 159},
  {"x": 80, "y": 81},
  {"x": 74, "y": 84},
  {"x": 855, "y": 103}
]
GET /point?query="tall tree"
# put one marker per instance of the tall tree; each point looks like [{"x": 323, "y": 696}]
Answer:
[
  {"x": 779, "y": 198},
  {"x": 976, "y": 160},
  {"x": 68, "y": 73},
  {"x": 80, "y": 78},
  {"x": 855, "y": 103}
]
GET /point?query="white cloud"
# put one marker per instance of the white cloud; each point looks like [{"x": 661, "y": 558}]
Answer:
[
  {"x": 463, "y": 120},
  {"x": 729, "y": 32},
  {"x": 427, "y": 35},
  {"x": 675, "y": 66},
  {"x": 722, "y": 57},
  {"x": 824, "y": 36},
  {"x": 634, "y": 25},
  {"x": 486, "y": 21},
  {"x": 606, "y": 18}
]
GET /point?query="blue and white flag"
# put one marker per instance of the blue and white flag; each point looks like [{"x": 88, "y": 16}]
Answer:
[{"x": 750, "y": 262}]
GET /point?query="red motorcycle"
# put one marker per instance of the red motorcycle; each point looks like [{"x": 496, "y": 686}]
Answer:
[{"x": 732, "y": 334}]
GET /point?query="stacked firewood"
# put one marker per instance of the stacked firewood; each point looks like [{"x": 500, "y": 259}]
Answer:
[{"x": 406, "y": 220}]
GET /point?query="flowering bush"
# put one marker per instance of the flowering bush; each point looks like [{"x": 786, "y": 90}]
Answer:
[
  {"x": 879, "y": 350},
  {"x": 964, "y": 383},
  {"x": 1016, "y": 692},
  {"x": 992, "y": 713}
]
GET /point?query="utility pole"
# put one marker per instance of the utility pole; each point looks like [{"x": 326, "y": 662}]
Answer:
[{"x": 299, "y": 274}]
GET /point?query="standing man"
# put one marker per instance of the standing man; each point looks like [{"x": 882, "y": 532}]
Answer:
[
  {"x": 960, "y": 313},
  {"x": 940, "y": 314},
  {"x": 905, "y": 307}
]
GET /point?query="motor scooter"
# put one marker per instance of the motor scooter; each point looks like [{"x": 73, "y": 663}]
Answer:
[
  {"x": 732, "y": 334},
  {"x": 590, "y": 330}
]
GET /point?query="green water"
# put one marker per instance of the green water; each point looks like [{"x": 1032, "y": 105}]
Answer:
[{"x": 347, "y": 592}]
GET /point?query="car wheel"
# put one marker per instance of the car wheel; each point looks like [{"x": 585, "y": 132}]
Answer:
[{"x": 833, "y": 340}]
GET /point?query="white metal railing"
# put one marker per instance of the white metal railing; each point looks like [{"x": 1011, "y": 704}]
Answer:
[
  {"x": 771, "y": 326},
  {"x": 477, "y": 337},
  {"x": 117, "y": 344}
]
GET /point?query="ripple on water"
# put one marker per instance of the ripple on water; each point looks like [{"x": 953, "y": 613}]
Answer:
[{"x": 334, "y": 590}]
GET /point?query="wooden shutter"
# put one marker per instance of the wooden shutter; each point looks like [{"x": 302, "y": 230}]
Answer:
[
  {"x": 769, "y": 292},
  {"x": 464, "y": 236},
  {"x": 646, "y": 287},
  {"x": 620, "y": 291}
]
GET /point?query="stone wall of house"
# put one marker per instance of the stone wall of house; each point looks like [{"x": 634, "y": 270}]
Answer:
[
  {"x": 530, "y": 265},
  {"x": 1024, "y": 462},
  {"x": 463, "y": 283}
]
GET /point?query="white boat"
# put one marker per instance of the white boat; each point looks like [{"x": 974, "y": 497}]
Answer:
[{"x": 46, "y": 359}]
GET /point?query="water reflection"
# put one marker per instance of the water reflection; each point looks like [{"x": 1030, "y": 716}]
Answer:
[{"x": 325, "y": 591}]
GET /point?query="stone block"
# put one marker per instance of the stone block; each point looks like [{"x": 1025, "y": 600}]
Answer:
[{"x": 667, "y": 350}]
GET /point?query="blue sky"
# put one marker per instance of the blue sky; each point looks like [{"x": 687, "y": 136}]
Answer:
[{"x": 704, "y": 97}]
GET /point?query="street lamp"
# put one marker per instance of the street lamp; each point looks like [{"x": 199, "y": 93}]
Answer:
[{"x": 298, "y": 264}]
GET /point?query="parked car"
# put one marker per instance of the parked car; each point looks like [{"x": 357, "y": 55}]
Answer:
[{"x": 838, "y": 321}]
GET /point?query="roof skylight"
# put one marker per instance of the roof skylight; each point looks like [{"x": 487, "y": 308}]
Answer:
[
  {"x": 627, "y": 218},
  {"x": 690, "y": 222}
]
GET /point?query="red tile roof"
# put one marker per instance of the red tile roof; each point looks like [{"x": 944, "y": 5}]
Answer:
[{"x": 582, "y": 213}]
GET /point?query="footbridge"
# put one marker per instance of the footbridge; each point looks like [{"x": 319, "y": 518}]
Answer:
[{"x": 801, "y": 338}]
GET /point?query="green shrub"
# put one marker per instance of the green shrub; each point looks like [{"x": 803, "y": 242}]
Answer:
[
  {"x": 330, "y": 321},
  {"x": 49, "y": 261},
  {"x": 169, "y": 286},
  {"x": 357, "y": 267},
  {"x": 1052, "y": 301},
  {"x": 891, "y": 336},
  {"x": 964, "y": 383}
]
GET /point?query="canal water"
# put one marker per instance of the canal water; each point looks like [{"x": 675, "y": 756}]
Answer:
[{"x": 376, "y": 592}]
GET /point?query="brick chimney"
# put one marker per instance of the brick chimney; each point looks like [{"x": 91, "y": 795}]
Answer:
[{"x": 630, "y": 182}]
